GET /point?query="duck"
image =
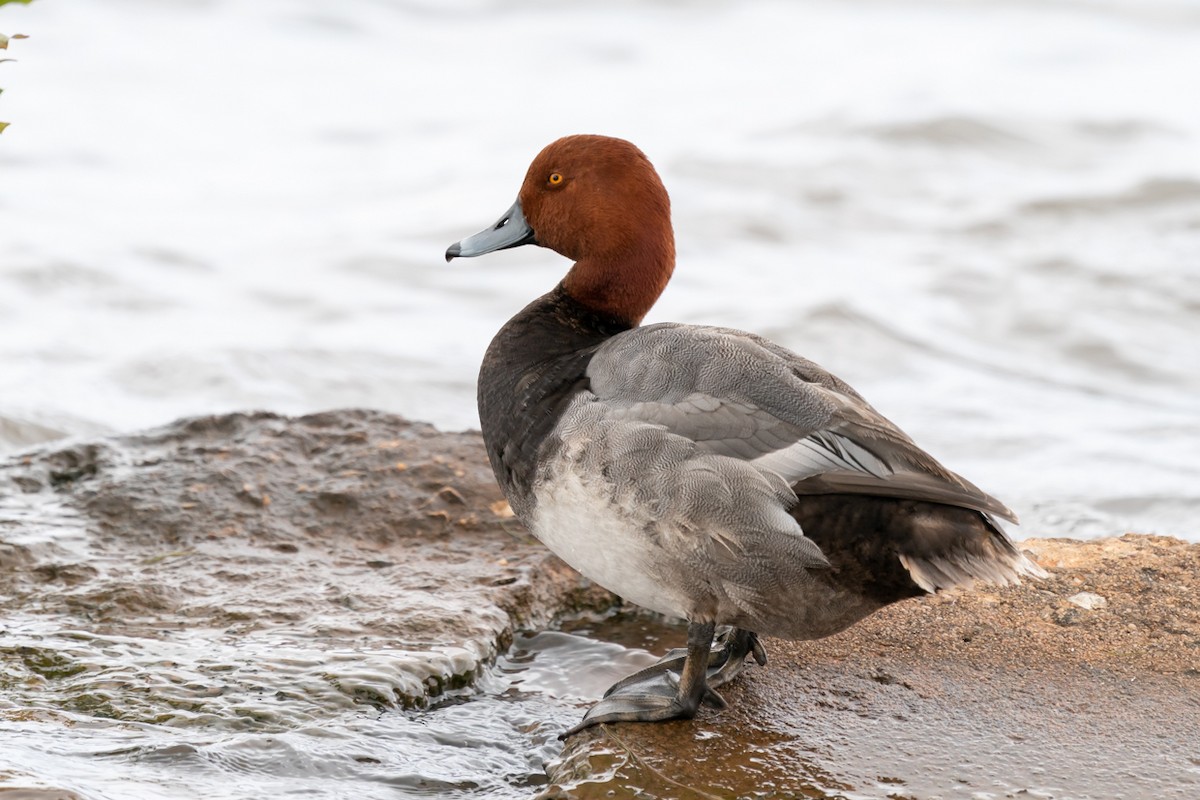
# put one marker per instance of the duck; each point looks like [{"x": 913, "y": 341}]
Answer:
[{"x": 701, "y": 472}]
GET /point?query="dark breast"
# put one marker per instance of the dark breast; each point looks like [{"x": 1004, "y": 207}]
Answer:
[{"x": 533, "y": 368}]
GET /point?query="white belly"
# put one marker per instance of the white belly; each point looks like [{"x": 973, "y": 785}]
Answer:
[{"x": 607, "y": 541}]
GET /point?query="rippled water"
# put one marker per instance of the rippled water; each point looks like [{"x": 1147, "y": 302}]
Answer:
[
  {"x": 985, "y": 215},
  {"x": 177, "y": 715}
]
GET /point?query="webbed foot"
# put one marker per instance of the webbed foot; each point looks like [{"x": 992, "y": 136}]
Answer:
[
  {"x": 655, "y": 699},
  {"x": 675, "y": 687},
  {"x": 737, "y": 644},
  {"x": 725, "y": 660}
]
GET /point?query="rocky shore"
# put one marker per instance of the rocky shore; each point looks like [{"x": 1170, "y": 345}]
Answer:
[{"x": 385, "y": 548}]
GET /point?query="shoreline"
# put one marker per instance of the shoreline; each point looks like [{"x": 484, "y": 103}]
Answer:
[
  {"x": 388, "y": 540},
  {"x": 1082, "y": 685}
]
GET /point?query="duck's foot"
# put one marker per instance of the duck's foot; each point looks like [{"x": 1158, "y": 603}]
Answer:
[
  {"x": 725, "y": 661},
  {"x": 656, "y": 693},
  {"x": 736, "y": 645}
]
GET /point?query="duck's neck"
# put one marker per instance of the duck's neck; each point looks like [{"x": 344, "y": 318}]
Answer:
[
  {"x": 624, "y": 284},
  {"x": 534, "y": 366}
]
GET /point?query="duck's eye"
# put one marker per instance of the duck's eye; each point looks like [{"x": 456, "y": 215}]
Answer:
[{"x": 555, "y": 179}]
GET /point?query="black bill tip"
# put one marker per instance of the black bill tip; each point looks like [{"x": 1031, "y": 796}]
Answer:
[{"x": 511, "y": 230}]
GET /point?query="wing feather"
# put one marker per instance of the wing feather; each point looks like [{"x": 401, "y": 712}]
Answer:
[{"x": 739, "y": 395}]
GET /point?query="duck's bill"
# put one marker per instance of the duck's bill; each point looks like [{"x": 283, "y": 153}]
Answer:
[{"x": 511, "y": 230}]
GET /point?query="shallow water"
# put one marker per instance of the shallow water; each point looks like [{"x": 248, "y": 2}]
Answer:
[{"x": 181, "y": 716}]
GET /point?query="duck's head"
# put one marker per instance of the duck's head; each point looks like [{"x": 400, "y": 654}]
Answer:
[{"x": 596, "y": 200}]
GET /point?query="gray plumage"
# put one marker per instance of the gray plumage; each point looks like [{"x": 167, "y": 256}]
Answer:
[
  {"x": 675, "y": 478},
  {"x": 739, "y": 395}
]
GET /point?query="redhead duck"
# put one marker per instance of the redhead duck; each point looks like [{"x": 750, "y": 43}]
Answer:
[{"x": 701, "y": 472}]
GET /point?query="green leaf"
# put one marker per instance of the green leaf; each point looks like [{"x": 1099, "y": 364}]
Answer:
[
  {"x": 26, "y": 2},
  {"x": 3, "y": 125}
]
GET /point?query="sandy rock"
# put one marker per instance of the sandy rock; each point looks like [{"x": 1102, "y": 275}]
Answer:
[
  {"x": 1018, "y": 692},
  {"x": 1089, "y": 601}
]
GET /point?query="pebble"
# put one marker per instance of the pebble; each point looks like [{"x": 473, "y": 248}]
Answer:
[{"x": 1088, "y": 600}]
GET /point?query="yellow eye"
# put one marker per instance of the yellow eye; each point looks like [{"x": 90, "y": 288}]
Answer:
[{"x": 555, "y": 179}]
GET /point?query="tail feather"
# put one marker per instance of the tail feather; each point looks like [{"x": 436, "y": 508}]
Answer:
[
  {"x": 944, "y": 553},
  {"x": 893, "y": 548},
  {"x": 936, "y": 574}
]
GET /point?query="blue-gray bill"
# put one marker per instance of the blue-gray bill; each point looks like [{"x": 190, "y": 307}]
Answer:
[{"x": 511, "y": 230}]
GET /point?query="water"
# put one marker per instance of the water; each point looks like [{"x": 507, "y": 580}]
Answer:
[
  {"x": 985, "y": 215},
  {"x": 180, "y": 715}
]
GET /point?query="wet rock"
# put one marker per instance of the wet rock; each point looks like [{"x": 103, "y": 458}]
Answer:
[
  {"x": 28, "y": 793},
  {"x": 346, "y": 531}
]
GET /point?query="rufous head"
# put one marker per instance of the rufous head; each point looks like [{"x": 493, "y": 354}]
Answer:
[{"x": 596, "y": 200}]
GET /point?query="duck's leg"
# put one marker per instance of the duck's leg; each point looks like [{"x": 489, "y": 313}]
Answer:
[
  {"x": 665, "y": 698},
  {"x": 725, "y": 660}
]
